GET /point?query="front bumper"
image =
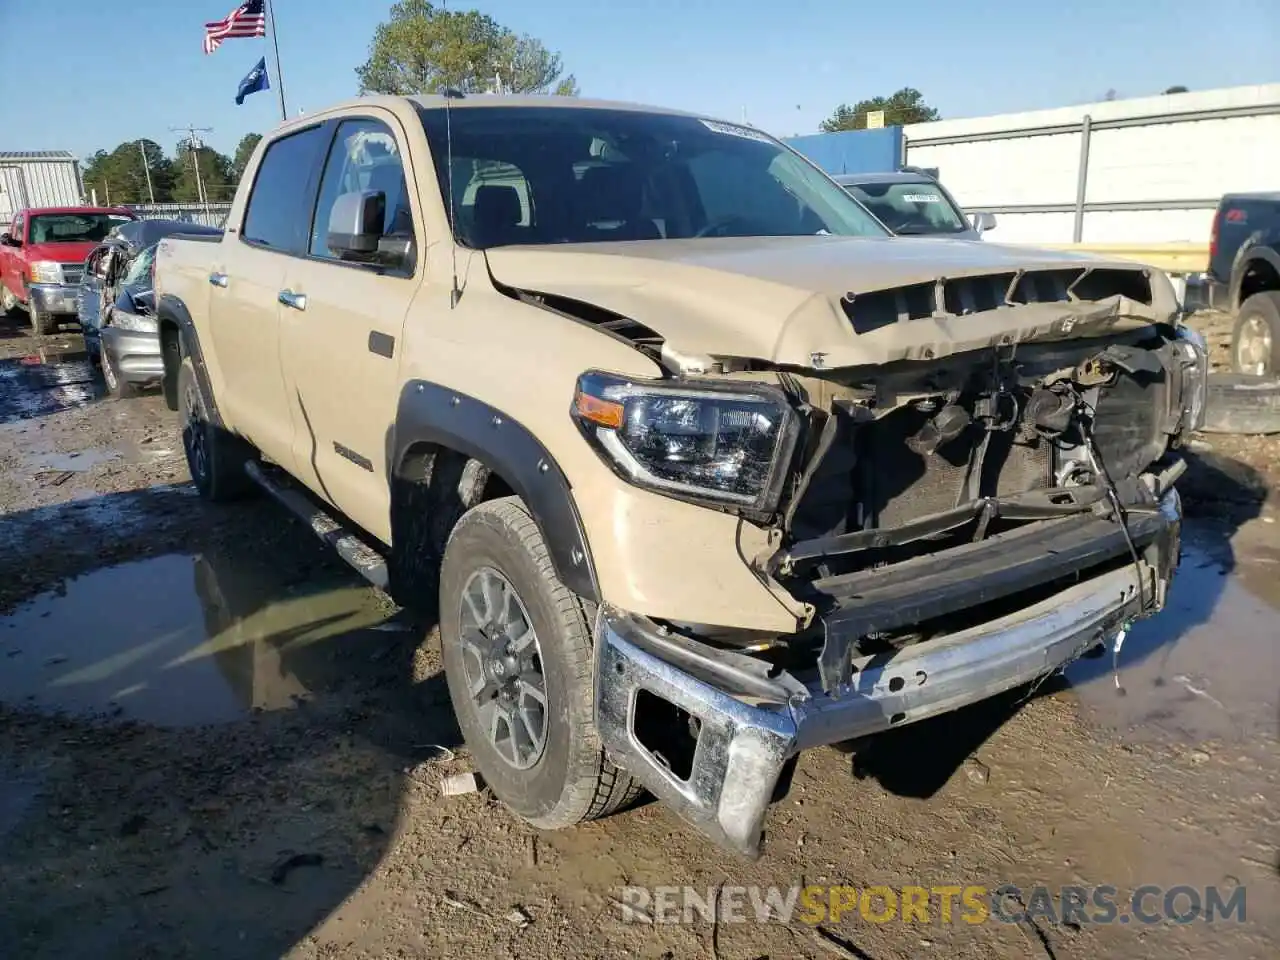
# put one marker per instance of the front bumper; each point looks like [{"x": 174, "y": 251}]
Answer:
[
  {"x": 136, "y": 354},
  {"x": 53, "y": 298},
  {"x": 752, "y": 723}
]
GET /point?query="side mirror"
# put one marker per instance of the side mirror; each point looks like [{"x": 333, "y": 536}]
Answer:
[
  {"x": 984, "y": 221},
  {"x": 355, "y": 224},
  {"x": 9, "y": 240}
]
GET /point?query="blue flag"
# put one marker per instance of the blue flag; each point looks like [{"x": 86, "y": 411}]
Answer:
[{"x": 255, "y": 80}]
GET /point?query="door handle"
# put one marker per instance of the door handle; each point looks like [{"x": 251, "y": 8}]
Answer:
[
  {"x": 218, "y": 279},
  {"x": 290, "y": 299}
]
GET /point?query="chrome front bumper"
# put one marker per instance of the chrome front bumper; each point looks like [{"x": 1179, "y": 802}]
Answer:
[
  {"x": 745, "y": 739},
  {"x": 54, "y": 298}
]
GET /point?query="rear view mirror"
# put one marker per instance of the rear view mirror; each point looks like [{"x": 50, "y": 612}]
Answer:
[
  {"x": 984, "y": 221},
  {"x": 355, "y": 224}
]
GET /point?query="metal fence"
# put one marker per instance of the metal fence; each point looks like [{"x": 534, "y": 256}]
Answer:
[{"x": 207, "y": 214}]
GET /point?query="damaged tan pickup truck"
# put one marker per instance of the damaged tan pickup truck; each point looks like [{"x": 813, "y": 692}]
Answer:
[{"x": 697, "y": 465}]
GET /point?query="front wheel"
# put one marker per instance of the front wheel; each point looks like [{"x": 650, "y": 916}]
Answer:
[
  {"x": 518, "y": 660},
  {"x": 42, "y": 324},
  {"x": 118, "y": 387}
]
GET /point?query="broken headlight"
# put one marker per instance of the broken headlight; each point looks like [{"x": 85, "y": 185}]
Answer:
[
  {"x": 698, "y": 440},
  {"x": 1193, "y": 353}
]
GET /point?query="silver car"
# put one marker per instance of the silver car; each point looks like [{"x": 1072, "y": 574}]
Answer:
[{"x": 912, "y": 203}]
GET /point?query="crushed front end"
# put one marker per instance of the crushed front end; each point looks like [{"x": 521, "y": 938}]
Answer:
[{"x": 954, "y": 527}]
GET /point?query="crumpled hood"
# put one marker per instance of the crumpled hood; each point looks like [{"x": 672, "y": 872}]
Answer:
[{"x": 784, "y": 299}]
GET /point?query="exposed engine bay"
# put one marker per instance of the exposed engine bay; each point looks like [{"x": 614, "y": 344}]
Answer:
[
  {"x": 902, "y": 497},
  {"x": 914, "y": 462}
]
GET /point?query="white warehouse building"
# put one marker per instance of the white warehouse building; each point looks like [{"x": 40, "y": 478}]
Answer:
[
  {"x": 1143, "y": 170},
  {"x": 44, "y": 178}
]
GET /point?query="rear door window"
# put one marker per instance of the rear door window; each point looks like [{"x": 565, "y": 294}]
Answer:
[{"x": 278, "y": 213}]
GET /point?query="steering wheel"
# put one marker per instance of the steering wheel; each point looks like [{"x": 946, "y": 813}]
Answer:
[{"x": 718, "y": 226}]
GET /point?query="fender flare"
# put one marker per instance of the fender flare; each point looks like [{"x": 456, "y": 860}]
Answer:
[
  {"x": 430, "y": 413},
  {"x": 1247, "y": 255},
  {"x": 169, "y": 308}
]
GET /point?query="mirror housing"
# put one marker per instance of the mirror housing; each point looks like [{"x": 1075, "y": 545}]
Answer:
[
  {"x": 355, "y": 224},
  {"x": 9, "y": 240},
  {"x": 984, "y": 221}
]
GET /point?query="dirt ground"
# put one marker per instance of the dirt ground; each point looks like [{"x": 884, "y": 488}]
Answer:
[{"x": 215, "y": 742}]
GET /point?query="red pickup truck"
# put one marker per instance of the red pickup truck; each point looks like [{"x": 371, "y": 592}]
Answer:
[{"x": 42, "y": 258}]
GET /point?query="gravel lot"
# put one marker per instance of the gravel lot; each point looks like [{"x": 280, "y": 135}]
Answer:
[{"x": 215, "y": 742}]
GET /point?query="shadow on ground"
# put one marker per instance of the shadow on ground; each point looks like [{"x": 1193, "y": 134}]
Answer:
[
  {"x": 917, "y": 760},
  {"x": 203, "y": 753}
]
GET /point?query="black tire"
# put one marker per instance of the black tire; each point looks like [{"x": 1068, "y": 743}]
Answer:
[
  {"x": 1257, "y": 322},
  {"x": 1238, "y": 403},
  {"x": 117, "y": 386},
  {"x": 571, "y": 780},
  {"x": 215, "y": 457},
  {"x": 42, "y": 324},
  {"x": 8, "y": 302}
]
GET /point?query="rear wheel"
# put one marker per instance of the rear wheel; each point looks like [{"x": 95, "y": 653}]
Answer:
[
  {"x": 215, "y": 457},
  {"x": 1255, "y": 341},
  {"x": 518, "y": 660}
]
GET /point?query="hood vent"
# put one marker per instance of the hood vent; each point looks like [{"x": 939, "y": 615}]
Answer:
[{"x": 964, "y": 295}]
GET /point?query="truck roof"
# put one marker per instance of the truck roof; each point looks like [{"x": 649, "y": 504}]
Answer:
[{"x": 481, "y": 101}]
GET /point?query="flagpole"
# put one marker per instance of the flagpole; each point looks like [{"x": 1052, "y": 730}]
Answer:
[{"x": 275, "y": 44}]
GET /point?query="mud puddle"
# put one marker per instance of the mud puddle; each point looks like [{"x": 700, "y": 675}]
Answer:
[
  {"x": 1206, "y": 668},
  {"x": 181, "y": 639},
  {"x": 77, "y": 461},
  {"x": 35, "y": 386}
]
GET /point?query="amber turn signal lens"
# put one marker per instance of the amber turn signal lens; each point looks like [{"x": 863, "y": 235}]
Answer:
[{"x": 606, "y": 413}]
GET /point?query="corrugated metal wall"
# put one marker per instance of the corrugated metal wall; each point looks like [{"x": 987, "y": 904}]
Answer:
[
  {"x": 1153, "y": 168},
  {"x": 37, "y": 183}
]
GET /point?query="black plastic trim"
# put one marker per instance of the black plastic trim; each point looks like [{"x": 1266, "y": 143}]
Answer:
[
  {"x": 431, "y": 413},
  {"x": 858, "y": 604},
  {"x": 382, "y": 344},
  {"x": 174, "y": 310}
]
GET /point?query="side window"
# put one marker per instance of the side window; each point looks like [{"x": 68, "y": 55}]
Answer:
[
  {"x": 16, "y": 228},
  {"x": 364, "y": 156},
  {"x": 277, "y": 212}
]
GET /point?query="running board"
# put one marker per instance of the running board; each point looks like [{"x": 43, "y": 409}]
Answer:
[{"x": 364, "y": 559}]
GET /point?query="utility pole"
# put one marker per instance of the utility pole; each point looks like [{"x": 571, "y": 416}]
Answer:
[
  {"x": 147, "y": 170},
  {"x": 194, "y": 145}
]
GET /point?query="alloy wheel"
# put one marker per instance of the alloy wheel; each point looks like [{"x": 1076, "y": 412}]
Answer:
[{"x": 502, "y": 661}]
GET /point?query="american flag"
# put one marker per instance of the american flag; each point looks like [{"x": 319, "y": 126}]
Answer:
[{"x": 246, "y": 20}]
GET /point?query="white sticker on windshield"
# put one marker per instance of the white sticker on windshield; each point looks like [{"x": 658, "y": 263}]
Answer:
[
  {"x": 733, "y": 130},
  {"x": 921, "y": 198}
]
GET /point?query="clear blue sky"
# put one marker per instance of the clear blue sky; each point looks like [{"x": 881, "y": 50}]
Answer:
[{"x": 87, "y": 74}]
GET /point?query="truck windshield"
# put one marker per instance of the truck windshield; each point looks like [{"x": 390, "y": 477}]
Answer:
[
  {"x": 73, "y": 227},
  {"x": 911, "y": 208},
  {"x": 530, "y": 175}
]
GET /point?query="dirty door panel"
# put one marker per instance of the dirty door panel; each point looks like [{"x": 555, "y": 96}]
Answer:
[
  {"x": 342, "y": 329},
  {"x": 246, "y": 280}
]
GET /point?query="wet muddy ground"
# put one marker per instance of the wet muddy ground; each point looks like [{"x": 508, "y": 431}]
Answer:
[{"x": 216, "y": 742}]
